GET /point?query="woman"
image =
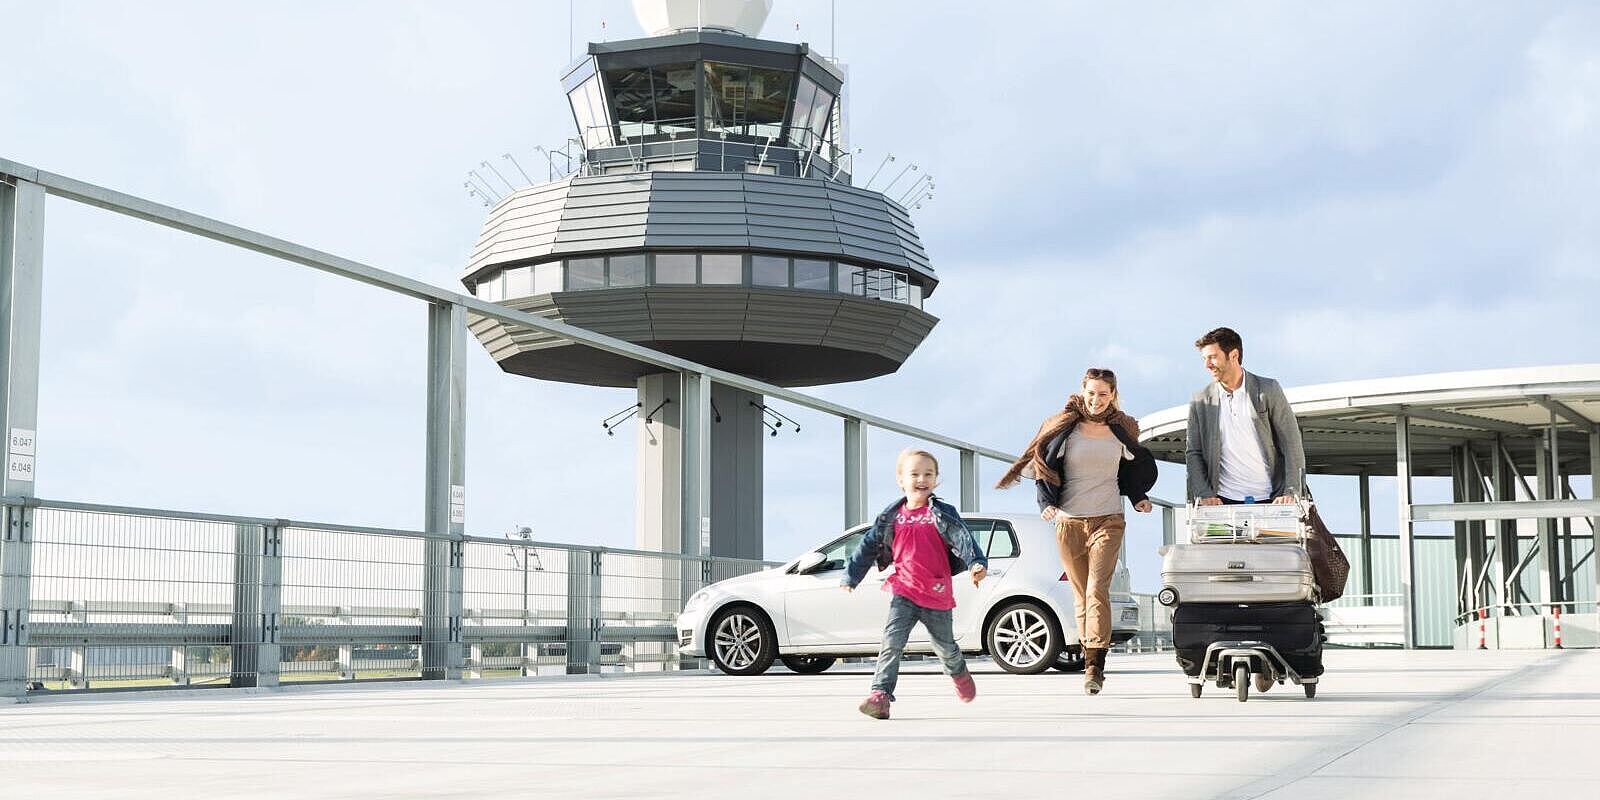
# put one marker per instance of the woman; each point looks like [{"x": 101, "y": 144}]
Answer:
[{"x": 1083, "y": 460}]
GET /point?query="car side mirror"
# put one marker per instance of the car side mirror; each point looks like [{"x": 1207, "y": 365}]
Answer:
[{"x": 809, "y": 562}]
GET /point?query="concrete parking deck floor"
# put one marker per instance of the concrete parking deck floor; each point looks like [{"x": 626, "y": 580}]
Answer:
[{"x": 1499, "y": 724}]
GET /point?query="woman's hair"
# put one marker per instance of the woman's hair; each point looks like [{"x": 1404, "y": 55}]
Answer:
[
  {"x": 910, "y": 453},
  {"x": 1103, "y": 374}
]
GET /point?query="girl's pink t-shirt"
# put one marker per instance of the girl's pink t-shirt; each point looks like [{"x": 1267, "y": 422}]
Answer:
[{"x": 921, "y": 566}]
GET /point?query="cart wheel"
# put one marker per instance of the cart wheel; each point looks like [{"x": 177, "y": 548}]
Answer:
[
  {"x": 1241, "y": 680},
  {"x": 1311, "y": 690},
  {"x": 1194, "y": 689}
]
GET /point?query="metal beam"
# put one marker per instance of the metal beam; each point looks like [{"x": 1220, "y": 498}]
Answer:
[
  {"x": 1546, "y": 566},
  {"x": 1565, "y": 411},
  {"x": 1408, "y": 600},
  {"x": 1464, "y": 420},
  {"x": 1594, "y": 492},
  {"x": 1364, "y": 483},
  {"x": 1505, "y": 510},
  {"x": 855, "y": 472}
]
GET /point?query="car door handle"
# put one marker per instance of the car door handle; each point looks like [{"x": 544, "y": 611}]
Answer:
[{"x": 995, "y": 573}]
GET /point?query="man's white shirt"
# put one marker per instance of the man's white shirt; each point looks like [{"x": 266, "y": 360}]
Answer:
[{"x": 1241, "y": 462}]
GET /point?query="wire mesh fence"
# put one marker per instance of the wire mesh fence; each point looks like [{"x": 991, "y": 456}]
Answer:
[{"x": 122, "y": 598}]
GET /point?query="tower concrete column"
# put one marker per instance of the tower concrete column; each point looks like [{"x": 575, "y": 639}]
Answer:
[{"x": 736, "y": 471}]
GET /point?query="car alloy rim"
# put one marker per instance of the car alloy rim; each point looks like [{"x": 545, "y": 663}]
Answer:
[
  {"x": 1021, "y": 637},
  {"x": 738, "y": 639}
]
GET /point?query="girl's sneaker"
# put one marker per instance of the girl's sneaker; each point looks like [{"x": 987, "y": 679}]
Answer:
[
  {"x": 876, "y": 705},
  {"x": 965, "y": 688}
]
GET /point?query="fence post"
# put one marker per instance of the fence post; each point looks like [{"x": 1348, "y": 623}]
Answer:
[
  {"x": 16, "y": 570},
  {"x": 583, "y": 611},
  {"x": 855, "y": 472},
  {"x": 445, "y": 493}
]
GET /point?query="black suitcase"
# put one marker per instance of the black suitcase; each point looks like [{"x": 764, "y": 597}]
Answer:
[{"x": 1294, "y": 629}]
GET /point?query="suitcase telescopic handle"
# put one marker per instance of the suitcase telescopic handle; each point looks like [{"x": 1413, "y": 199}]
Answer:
[{"x": 1231, "y": 578}]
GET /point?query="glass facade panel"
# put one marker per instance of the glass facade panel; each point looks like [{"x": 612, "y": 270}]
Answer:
[
  {"x": 585, "y": 273},
  {"x": 800, "y": 119},
  {"x": 588, "y": 108},
  {"x": 675, "y": 268},
  {"x": 769, "y": 271},
  {"x": 810, "y": 274},
  {"x": 674, "y": 91},
  {"x": 722, "y": 269},
  {"x": 519, "y": 282},
  {"x": 627, "y": 270},
  {"x": 547, "y": 278},
  {"x": 916, "y": 295},
  {"x": 821, "y": 110},
  {"x": 648, "y": 101},
  {"x": 746, "y": 101}
]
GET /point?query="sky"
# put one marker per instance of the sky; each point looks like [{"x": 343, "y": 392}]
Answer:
[{"x": 1362, "y": 189}]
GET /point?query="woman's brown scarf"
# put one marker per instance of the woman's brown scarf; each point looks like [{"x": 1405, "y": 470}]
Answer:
[{"x": 1032, "y": 464}]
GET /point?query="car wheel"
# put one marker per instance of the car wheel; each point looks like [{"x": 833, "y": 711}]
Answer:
[
  {"x": 742, "y": 641},
  {"x": 1024, "y": 639},
  {"x": 808, "y": 665}
]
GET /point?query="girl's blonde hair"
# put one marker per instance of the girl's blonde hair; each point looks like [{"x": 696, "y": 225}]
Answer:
[{"x": 910, "y": 453}]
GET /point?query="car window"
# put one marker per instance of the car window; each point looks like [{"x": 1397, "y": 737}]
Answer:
[
  {"x": 834, "y": 555},
  {"x": 981, "y": 529},
  {"x": 1002, "y": 542}
]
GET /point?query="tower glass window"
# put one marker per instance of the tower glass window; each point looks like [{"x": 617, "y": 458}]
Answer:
[
  {"x": 519, "y": 282},
  {"x": 675, "y": 268},
  {"x": 589, "y": 110},
  {"x": 627, "y": 270},
  {"x": 769, "y": 271},
  {"x": 812, "y": 274},
  {"x": 547, "y": 278},
  {"x": 746, "y": 101},
  {"x": 586, "y": 273},
  {"x": 649, "y": 101},
  {"x": 722, "y": 269},
  {"x": 800, "y": 128}
]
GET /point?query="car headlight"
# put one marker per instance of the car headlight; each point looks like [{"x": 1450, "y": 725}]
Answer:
[{"x": 696, "y": 601}]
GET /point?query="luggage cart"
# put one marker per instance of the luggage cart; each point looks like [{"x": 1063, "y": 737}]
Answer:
[{"x": 1232, "y": 665}]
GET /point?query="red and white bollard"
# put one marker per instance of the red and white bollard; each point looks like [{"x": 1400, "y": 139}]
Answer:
[
  {"x": 1558, "y": 627},
  {"x": 1483, "y": 637}
]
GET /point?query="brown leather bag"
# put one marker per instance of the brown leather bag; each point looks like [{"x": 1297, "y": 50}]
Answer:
[{"x": 1329, "y": 565}]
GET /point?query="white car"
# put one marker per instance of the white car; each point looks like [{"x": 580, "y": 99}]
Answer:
[{"x": 1021, "y": 615}]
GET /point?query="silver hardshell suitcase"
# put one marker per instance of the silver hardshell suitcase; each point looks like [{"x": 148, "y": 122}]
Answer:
[{"x": 1237, "y": 573}]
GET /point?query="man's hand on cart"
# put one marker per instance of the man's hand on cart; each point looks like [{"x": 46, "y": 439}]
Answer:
[
  {"x": 1209, "y": 501},
  {"x": 1143, "y": 506},
  {"x": 1284, "y": 500}
]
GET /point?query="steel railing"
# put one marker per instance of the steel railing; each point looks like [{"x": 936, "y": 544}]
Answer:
[{"x": 131, "y": 598}]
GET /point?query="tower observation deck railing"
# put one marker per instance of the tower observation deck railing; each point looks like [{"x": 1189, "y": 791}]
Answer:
[
  {"x": 758, "y": 147},
  {"x": 103, "y": 595}
]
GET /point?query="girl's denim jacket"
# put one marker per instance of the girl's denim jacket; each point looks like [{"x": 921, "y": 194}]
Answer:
[{"x": 878, "y": 545}]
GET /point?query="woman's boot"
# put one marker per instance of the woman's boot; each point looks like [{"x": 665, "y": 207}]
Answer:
[{"x": 1094, "y": 669}]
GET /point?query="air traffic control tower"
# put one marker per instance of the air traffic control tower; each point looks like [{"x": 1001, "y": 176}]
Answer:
[{"x": 712, "y": 216}]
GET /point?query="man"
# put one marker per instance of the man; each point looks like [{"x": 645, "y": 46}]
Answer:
[{"x": 1244, "y": 442}]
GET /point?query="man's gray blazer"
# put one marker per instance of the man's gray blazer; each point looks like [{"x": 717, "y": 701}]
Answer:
[{"x": 1275, "y": 426}]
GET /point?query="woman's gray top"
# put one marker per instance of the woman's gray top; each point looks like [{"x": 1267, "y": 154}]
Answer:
[{"x": 1091, "y": 467}]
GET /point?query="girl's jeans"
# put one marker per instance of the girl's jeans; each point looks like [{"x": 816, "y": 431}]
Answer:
[{"x": 903, "y": 615}]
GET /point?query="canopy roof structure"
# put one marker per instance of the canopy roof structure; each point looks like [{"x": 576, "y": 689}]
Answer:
[{"x": 1350, "y": 428}]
